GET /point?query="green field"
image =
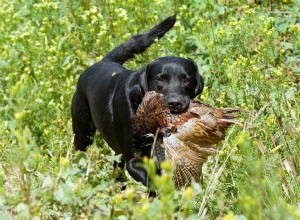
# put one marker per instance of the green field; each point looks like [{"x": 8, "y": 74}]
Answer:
[{"x": 248, "y": 53}]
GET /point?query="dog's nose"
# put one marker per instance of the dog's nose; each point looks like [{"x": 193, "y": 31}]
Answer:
[{"x": 175, "y": 105}]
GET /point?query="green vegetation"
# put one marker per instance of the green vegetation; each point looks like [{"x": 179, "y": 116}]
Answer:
[{"x": 248, "y": 54}]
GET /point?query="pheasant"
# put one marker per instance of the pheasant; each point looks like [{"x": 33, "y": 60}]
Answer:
[{"x": 186, "y": 139}]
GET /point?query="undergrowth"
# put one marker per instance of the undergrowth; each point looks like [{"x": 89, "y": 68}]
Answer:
[{"x": 247, "y": 52}]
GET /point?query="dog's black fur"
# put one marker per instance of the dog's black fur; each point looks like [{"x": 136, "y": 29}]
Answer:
[{"x": 108, "y": 95}]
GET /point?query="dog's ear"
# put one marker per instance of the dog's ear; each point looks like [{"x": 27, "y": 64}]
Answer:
[
  {"x": 136, "y": 95},
  {"x": 199, "y": 81},
  {"x": 138, "y": 90},
  {"x": 146, "y": 75},
  {"x": 144, "y": 79}
]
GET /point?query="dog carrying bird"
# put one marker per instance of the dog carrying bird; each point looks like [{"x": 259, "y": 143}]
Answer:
[{"x": 107, "y": 96}]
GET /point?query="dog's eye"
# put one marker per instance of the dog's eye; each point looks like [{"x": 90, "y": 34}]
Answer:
[
  {"x": 162, "y": 79},
  {"x": 186, "y": 80}
]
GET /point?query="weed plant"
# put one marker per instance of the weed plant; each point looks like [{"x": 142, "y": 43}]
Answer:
[{"x": 248, "y": 54}]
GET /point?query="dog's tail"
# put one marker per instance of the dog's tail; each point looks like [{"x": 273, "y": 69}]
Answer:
[{"x": 139, "y": 43}]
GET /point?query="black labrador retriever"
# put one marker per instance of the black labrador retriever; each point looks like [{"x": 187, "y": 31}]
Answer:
[{"x": 108, "y": 95}]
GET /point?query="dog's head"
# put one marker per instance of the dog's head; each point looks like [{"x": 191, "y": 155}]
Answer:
[{"x": 177, "y": 79}]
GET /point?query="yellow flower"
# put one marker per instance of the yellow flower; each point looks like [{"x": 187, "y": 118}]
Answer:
[
  {"x": 229, "y": 216},
  {"x": 229, "y": 75},
  {"x": 144, "y": 209},
  {"x": 278, "y": 72},
  {"x": 255, "y": 69},
  {"x": 166, "y": 165},
  {"x": 118, "y": 198},
  {"x": 64, "y": 161},
  {"x": 188, "y": 193},
  {"x": 19, "y": 115}
]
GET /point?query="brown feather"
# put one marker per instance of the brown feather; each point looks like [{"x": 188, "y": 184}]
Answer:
[{"x": 190, "y": 137}]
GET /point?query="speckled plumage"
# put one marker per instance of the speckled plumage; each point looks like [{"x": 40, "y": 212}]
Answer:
[{"x": 186, "y": 139}]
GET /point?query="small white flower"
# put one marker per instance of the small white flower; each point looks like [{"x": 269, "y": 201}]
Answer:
[{"x": 93, "y": 9}]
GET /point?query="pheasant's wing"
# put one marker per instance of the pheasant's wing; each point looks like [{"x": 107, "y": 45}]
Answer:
[
  {"x": 205, "y": 125},
  {"x": 186, "y": 163},
  {"x": 185, "y": 172},
  {"x": 198, "y": 131}
]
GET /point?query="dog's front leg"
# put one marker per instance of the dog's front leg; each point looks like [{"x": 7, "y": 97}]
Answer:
[
  {"x": 137, "y": 171},
  {"x": 135, "y": 168}
]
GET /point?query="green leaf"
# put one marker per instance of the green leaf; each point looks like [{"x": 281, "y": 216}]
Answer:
[
  {"x": 67, "y": 60},
  {"x": 121, "y": 217},
  {"x": 290, "y": 94},
  {"x": 61, "y": 42},
  {"x": 112, "y": 158},
  {"x": 48, "y": 182},
  {"x": 23, "y": 211}
]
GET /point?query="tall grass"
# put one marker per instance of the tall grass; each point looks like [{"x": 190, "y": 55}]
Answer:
[{"x": 248, "y": 54}]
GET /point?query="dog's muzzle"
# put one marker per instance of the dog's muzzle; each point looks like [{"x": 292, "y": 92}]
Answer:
[{"x": 176, "y": 103}]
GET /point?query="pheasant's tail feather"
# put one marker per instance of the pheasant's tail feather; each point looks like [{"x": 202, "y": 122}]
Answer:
[
  {"x": 228, "y": 111},
  {"x": 227, "y": 122},
  {"x": 229, "y": 114}
]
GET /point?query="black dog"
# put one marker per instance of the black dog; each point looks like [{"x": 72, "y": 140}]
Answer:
[{"x": 108, "y": 95}]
